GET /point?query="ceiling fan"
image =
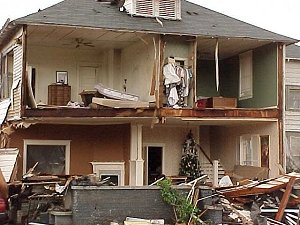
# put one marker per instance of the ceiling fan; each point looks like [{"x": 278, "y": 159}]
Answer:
[
  {"x": 78, "y": 42},
  {"x": 81, "y": 42}
]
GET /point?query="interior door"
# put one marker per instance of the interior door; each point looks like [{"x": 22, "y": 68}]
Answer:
[{"x": 87, "y": 78}]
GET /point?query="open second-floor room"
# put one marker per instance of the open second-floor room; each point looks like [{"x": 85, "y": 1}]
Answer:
[{"x": 165, "y": 65}]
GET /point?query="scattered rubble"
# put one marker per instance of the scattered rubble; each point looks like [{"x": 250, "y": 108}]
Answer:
[{"x": 39, "y": 197}]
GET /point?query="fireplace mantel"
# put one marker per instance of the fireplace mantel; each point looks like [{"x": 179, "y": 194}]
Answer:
[{"x": 110, "y": 168}]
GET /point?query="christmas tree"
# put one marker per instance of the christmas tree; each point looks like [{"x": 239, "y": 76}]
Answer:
[{"x": 189, "y": 164}]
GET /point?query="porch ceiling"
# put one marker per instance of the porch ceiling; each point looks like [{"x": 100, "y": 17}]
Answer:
[
  {"x": 100, "y": 39},
  {"x": 73, "y": 37},
  {"x": 228, "y": 47}
]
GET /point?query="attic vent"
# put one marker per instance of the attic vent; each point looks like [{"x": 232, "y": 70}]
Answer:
[
  {"x": 144, "y": 7},
  {"x": 168, "y": 9}
]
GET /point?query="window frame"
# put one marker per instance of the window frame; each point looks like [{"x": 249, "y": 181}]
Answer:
[
  {"x": 289, "y": 156},
  {"x": 246, "y": 60},
  {"x": 287, "y": 102},
  {"x": 66, "y": 143},
  {"x": 254, "y": 140}
]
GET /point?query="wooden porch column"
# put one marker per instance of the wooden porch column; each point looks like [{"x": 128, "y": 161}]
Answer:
[{"x": 136, "y": 173}]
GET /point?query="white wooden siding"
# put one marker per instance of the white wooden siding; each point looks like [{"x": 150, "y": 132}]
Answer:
[
  {"x": 292, "y": 77},
  {"x": 8, "y": 158},
  {"x": 15, "y": 108}
]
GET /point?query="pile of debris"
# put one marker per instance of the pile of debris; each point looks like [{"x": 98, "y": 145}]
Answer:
[
  {"x": 270, "y": 201},
  {"x": 35, "y": 195}
]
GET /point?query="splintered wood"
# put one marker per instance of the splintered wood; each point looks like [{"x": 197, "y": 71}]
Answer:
[
  {"x": 261, "y": 187},
  {"x": 271, "y": 196}
]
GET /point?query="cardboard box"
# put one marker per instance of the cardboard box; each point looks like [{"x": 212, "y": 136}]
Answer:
[{"x": 221, "y": 102}]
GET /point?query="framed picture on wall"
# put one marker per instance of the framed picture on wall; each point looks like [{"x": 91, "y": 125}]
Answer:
[{"x": 62, "y": 77}]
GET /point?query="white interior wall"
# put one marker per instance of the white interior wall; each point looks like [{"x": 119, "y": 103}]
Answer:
[
  {"x": 227, "y": 145},
  {"x": 137, "y": 67},
  {"x": 172, "y": 138},
  {"x": 48, "y": 60}
]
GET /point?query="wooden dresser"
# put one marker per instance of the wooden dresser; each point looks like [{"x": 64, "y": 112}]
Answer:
[{"x": 59, "y": 94}]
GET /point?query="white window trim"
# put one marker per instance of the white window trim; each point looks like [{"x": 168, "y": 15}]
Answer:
[
  {"x": 66, "y": 143},
  {"x": 248, "y": 56}
]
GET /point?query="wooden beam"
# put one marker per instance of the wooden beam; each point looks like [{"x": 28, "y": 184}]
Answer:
[
  {"x": 164, "y": 112},
  {"x": 285, "y": 199},
  {"x": 280, "y": 63}
]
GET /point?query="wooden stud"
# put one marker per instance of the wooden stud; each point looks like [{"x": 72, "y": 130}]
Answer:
[{"x": 285, "y": 199}]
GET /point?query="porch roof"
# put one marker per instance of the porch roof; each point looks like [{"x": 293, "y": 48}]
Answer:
[
  {"x": 196, "y": 21},
  {"x": 293, "y": 52}
]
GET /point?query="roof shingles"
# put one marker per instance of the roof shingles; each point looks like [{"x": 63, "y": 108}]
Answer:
[{"x": 196, "y": 21}]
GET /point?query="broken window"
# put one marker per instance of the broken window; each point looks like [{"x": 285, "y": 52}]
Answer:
[
  {"x": 249, "y": 150},
  {"x": 293, "y": 98},
  {"x": 52, "y": 158},
  {"x": 246, "y": 76}
]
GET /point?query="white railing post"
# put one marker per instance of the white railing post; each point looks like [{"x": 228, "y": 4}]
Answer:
[{"x": 215, "y": 173}]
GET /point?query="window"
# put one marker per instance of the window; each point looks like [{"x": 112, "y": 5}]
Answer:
[
  {"x": 293, "y": 152},
  {"x": 6, "y": 74},
  {"x": 53, "y": 156},
  {"x": 246, "y": 76},
  {"x": 293, "y": 98},
  {"x": 250, "y": 150}
]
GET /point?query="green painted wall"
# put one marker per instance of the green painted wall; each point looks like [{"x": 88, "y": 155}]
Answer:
[{"x": 264, "y": 78}]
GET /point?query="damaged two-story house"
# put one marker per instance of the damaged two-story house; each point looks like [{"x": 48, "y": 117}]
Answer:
[{"x": 161, "y": 68}]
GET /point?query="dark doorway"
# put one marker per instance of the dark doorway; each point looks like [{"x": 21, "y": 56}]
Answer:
[{"x": 154, "y": 163}]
